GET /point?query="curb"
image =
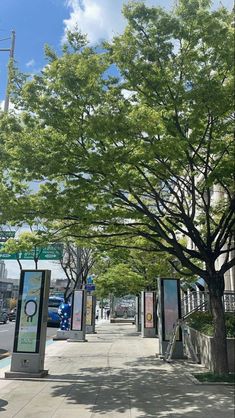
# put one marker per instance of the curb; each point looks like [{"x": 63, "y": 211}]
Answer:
[{"x": 4, "y": 355}]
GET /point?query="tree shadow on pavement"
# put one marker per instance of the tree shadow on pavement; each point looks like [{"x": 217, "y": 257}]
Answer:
[
  {"x": 149, "y": 392},
  {"x": 3, "y": 404},
  {"x": 3, "y": 353}
]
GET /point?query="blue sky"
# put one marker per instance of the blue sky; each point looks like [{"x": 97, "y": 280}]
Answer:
[{"x": 37, "y": 22}]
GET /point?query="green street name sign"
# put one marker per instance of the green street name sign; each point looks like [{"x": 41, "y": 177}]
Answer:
[
  {"x": 5, "y": 235},
  {"x": 51, "y": 252}
]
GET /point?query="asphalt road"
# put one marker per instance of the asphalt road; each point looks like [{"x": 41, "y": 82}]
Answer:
[{"x": 7, "y": 336}]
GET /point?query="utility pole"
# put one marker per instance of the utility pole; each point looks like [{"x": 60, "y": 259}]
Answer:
[{"x": 11, "y": 56}]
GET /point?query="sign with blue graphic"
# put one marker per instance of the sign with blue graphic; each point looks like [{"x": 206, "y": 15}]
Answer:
[{"x": 90, "y": 287}]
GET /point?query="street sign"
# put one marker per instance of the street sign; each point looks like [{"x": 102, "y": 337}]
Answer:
[
  {"x": 5, "y": 235},
  {"x": 51, "y": 252},
  {"x": 6, "y": 256},
  {"x": 90, "y": 287}
]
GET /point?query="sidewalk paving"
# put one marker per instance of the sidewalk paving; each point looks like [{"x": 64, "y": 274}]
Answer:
[{"x": 115, "y": 374}]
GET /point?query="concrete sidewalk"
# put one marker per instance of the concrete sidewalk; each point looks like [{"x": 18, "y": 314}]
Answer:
[{"x": 115, "y": 374}]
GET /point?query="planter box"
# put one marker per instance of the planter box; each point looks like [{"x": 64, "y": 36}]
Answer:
[
  {"x": 203, "y": 345},
  {"x": 123, "y": 320}
]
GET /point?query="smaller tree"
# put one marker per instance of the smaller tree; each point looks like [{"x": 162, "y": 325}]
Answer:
[
  {"x": 26, "y": 241},
  {"x": 76, "y": 263},
  {"x": 119, "y": 280}
]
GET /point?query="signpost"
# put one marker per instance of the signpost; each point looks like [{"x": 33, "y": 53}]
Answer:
[{"x": 31, "y": 325}]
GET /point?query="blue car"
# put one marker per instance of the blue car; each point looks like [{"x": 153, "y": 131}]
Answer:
[{"x": 53, "y": 317}]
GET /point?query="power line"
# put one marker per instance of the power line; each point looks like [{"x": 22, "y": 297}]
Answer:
[{"x": 5, "y": 39}]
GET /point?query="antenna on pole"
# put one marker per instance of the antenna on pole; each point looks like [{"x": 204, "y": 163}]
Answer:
[{"x": 11, "y": 56}]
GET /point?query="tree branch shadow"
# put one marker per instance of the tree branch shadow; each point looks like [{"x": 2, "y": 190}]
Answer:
[
  {"x": 3, "y": 403},
  {"x": 151, "y": 391}
]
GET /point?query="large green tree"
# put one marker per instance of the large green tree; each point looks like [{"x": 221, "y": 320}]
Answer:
[{"x": 147, "y": 153}]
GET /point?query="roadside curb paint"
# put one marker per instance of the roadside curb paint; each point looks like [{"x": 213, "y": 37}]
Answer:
[{"x": 5, "y": 361}]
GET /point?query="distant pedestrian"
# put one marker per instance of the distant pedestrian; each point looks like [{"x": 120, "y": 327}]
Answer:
[
  {"x": 108, "y": 313},
  {"x": 97, "y": 316}
]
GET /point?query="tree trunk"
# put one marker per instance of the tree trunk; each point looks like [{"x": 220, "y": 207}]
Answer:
[
  {"x": 20, "y": 265},
  {"x": 219, "y": 344}
]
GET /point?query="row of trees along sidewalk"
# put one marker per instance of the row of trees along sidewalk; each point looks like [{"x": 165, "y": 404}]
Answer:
[{"x": 132, "y": 139}]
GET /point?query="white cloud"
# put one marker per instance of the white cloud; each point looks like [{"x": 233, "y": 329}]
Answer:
[
  {"x": 100, "y": 19},
  {"x": 30, "y": 63}
]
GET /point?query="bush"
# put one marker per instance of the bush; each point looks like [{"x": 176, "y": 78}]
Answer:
[
  {"x": 230, "y": 324},
  {"x": 213, "y": 377},
  {"x": 202, "y": 321}
]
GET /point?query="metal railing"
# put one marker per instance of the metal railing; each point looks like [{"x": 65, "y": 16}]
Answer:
[
  {"x": 229, "y": 301},
  {"x": 200, "y": 301}
]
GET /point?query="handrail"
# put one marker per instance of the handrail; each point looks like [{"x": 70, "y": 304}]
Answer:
[{"x": 196, "y": 309}]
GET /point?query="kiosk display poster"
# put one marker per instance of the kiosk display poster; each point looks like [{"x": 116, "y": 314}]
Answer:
[
  {"x": 77, "y": 310},
  {"x": 149, "y": 314},
  {"x": 89, "y": 310},
  {"x": 170, "y": 306},
  {"x": 30, "y": 301}
]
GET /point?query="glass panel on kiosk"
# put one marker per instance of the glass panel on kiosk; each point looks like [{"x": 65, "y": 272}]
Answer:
[{"x": 171, "y": 307}]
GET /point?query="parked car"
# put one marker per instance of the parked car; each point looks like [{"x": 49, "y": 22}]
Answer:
[
  {"x": 53, "y": 317},
  {"x": 12, "y": 314},
  {"x": 3, "y": 316}
]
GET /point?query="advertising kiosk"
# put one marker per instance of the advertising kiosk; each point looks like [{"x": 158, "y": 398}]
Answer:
[
  {"x": 77, "y": 332},
  {"x": 148, "y": 314},
  {"x": 138, "y": 313},
  {"x": 90, "y": 314},
  {"x": 31, "y": 325},
  {"x": 169, "y": 311}
]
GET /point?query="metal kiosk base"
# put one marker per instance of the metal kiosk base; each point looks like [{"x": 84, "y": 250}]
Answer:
[
  {"x": 25, "y": 375},
  {"x": 61, "y": 335},
  {"x": 76, "y": 336},
  {"x": 25, "y": 365}
]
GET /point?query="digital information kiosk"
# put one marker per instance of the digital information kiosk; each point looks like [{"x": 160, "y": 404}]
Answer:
[
  {"x": 90, "y": 313},
  {"x": 138, "y": 313},
  {"x": 31, "y": 325},
  {"x": 78, "y": 317},
  {"x": 169, "y": 311},
  {"x": 148, "y": 314}
]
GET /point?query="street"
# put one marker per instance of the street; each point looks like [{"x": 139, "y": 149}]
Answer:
[{"x": 7, "y": 336}]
